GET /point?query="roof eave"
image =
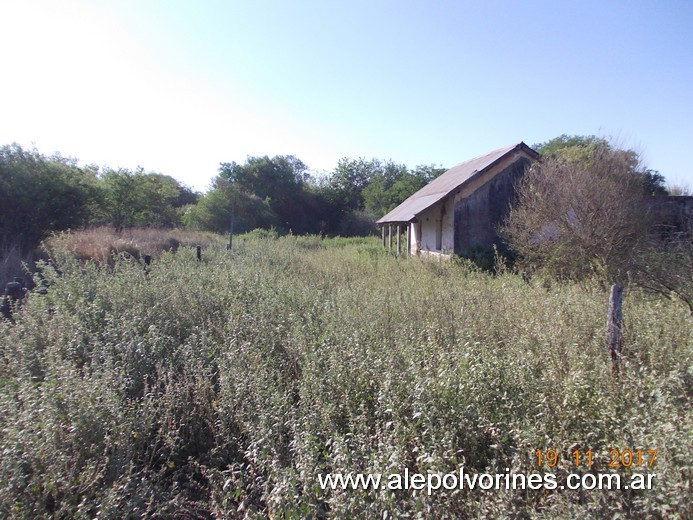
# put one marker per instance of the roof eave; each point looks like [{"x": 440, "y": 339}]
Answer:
[{"x": 521, "y": 146}]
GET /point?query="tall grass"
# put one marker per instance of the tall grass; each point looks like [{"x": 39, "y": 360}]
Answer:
[
  {"x": 100, "y": 244},
  {"x": 222, "y": 388},
  {"x": 103, "y": 244}
]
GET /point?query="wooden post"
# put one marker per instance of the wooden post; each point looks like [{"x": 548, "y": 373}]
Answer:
[
  {"x": 199, "y": 253},
  {"x": 14, "y": 293},
  {"x": 613, "y": 326},
  {"x": 389, "y": 235},
  {"x": 409, "y": 226},
  {"x": 382, "y": 229},
  {"x": 147, "y": 264},
  {"x": 399, "y": 239}
]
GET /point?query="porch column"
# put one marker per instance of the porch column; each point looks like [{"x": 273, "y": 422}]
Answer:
[
  {"x": 382, "y": 229},
  {"x": 389, "y": 235},
  {"x": 399, "y": 239},
  {"x": 409, "y": 226}
]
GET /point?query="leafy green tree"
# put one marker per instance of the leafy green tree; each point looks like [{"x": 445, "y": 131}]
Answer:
[
  {"x": 350, "y": 178},
  {"x": 161, "y": 194},
  {"x": 266, "y": 177},
  {"x": 121, "y": 198},
  {"x": 428, "y": 172},
  {"x": 580, "y": 148},
  {"x": 570, "y": 146},
  {"x": 393, "y": 184},
  {"x": 377, "y": 195},
  {"x": 138, "y": 199},
  {"x": 186, "y": 195},
  {"x": 326, "y": 205},
  {"x": 278, "y": 181},
  {"x": 654, "y": 183},
  {"x": 212, "y": 212},
  {"x": 279, "y": 192},
  {"x": 40, "y": 194}
]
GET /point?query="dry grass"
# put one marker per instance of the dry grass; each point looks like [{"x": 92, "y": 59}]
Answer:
[{"x": 103, "y": 244}]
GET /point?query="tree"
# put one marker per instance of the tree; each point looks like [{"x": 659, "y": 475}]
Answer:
[
  {"x": 278, "y": 181},
  {"x": 580, "y": 212},
  {"x": 580, "y": 147},
  {"x": 160, "y": 193},
  {"x": 393, "y": 184},
  {"x": 40, "y": 194},
  {"x": 327, "y": 206},
  {"x": 570, "y": 146},
  {"x": 654, "y": 183},
  {"x": 378, "y": 194},
  {"x": 279, "y": 192},
  {"x": 209, "y": 213},
  {"x": 135, "y": 198},
  {"x": 212, "y": 212},
  {"x": 121, "y": 199},
  {"x": 266, "y": 177},
  {"x": 350, "y": 178}
]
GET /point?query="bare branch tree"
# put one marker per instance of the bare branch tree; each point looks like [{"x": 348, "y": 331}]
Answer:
[{"x": 580, "y": 215}]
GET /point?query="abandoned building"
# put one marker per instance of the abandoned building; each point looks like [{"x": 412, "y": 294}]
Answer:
[
  {"x": 460, "y": 210},
  {"x": 672, "y": 214}
]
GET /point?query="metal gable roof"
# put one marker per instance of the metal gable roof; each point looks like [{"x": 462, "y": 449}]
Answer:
[{"x": 441, "y": 187}]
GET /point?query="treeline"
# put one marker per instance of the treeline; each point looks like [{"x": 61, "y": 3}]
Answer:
[
  {"x": 41, "y": 194},
  {"x": 280, "y": 192}
]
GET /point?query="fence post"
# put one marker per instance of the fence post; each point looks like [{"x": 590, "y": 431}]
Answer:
[
  {"x": 199, "y": 253},
  {"x": 613, "y": 326},
  {"x": 14, "y": 293}
]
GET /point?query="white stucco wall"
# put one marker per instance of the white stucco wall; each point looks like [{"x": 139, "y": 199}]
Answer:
[
  {"x": 429, "y": 222},
  {"x": 413, "y": 233}
]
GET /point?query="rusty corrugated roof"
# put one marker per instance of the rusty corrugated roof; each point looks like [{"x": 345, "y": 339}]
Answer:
[{"x": 451, "y": 180}]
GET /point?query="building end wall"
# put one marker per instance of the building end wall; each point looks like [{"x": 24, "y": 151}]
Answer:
[{"x": 478, "y": 213}]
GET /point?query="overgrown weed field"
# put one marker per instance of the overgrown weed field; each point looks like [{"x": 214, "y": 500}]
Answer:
[{"x": 225, "y": 388}]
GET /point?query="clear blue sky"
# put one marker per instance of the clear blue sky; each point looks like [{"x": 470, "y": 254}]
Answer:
[{"x": 179, "y": 86}]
